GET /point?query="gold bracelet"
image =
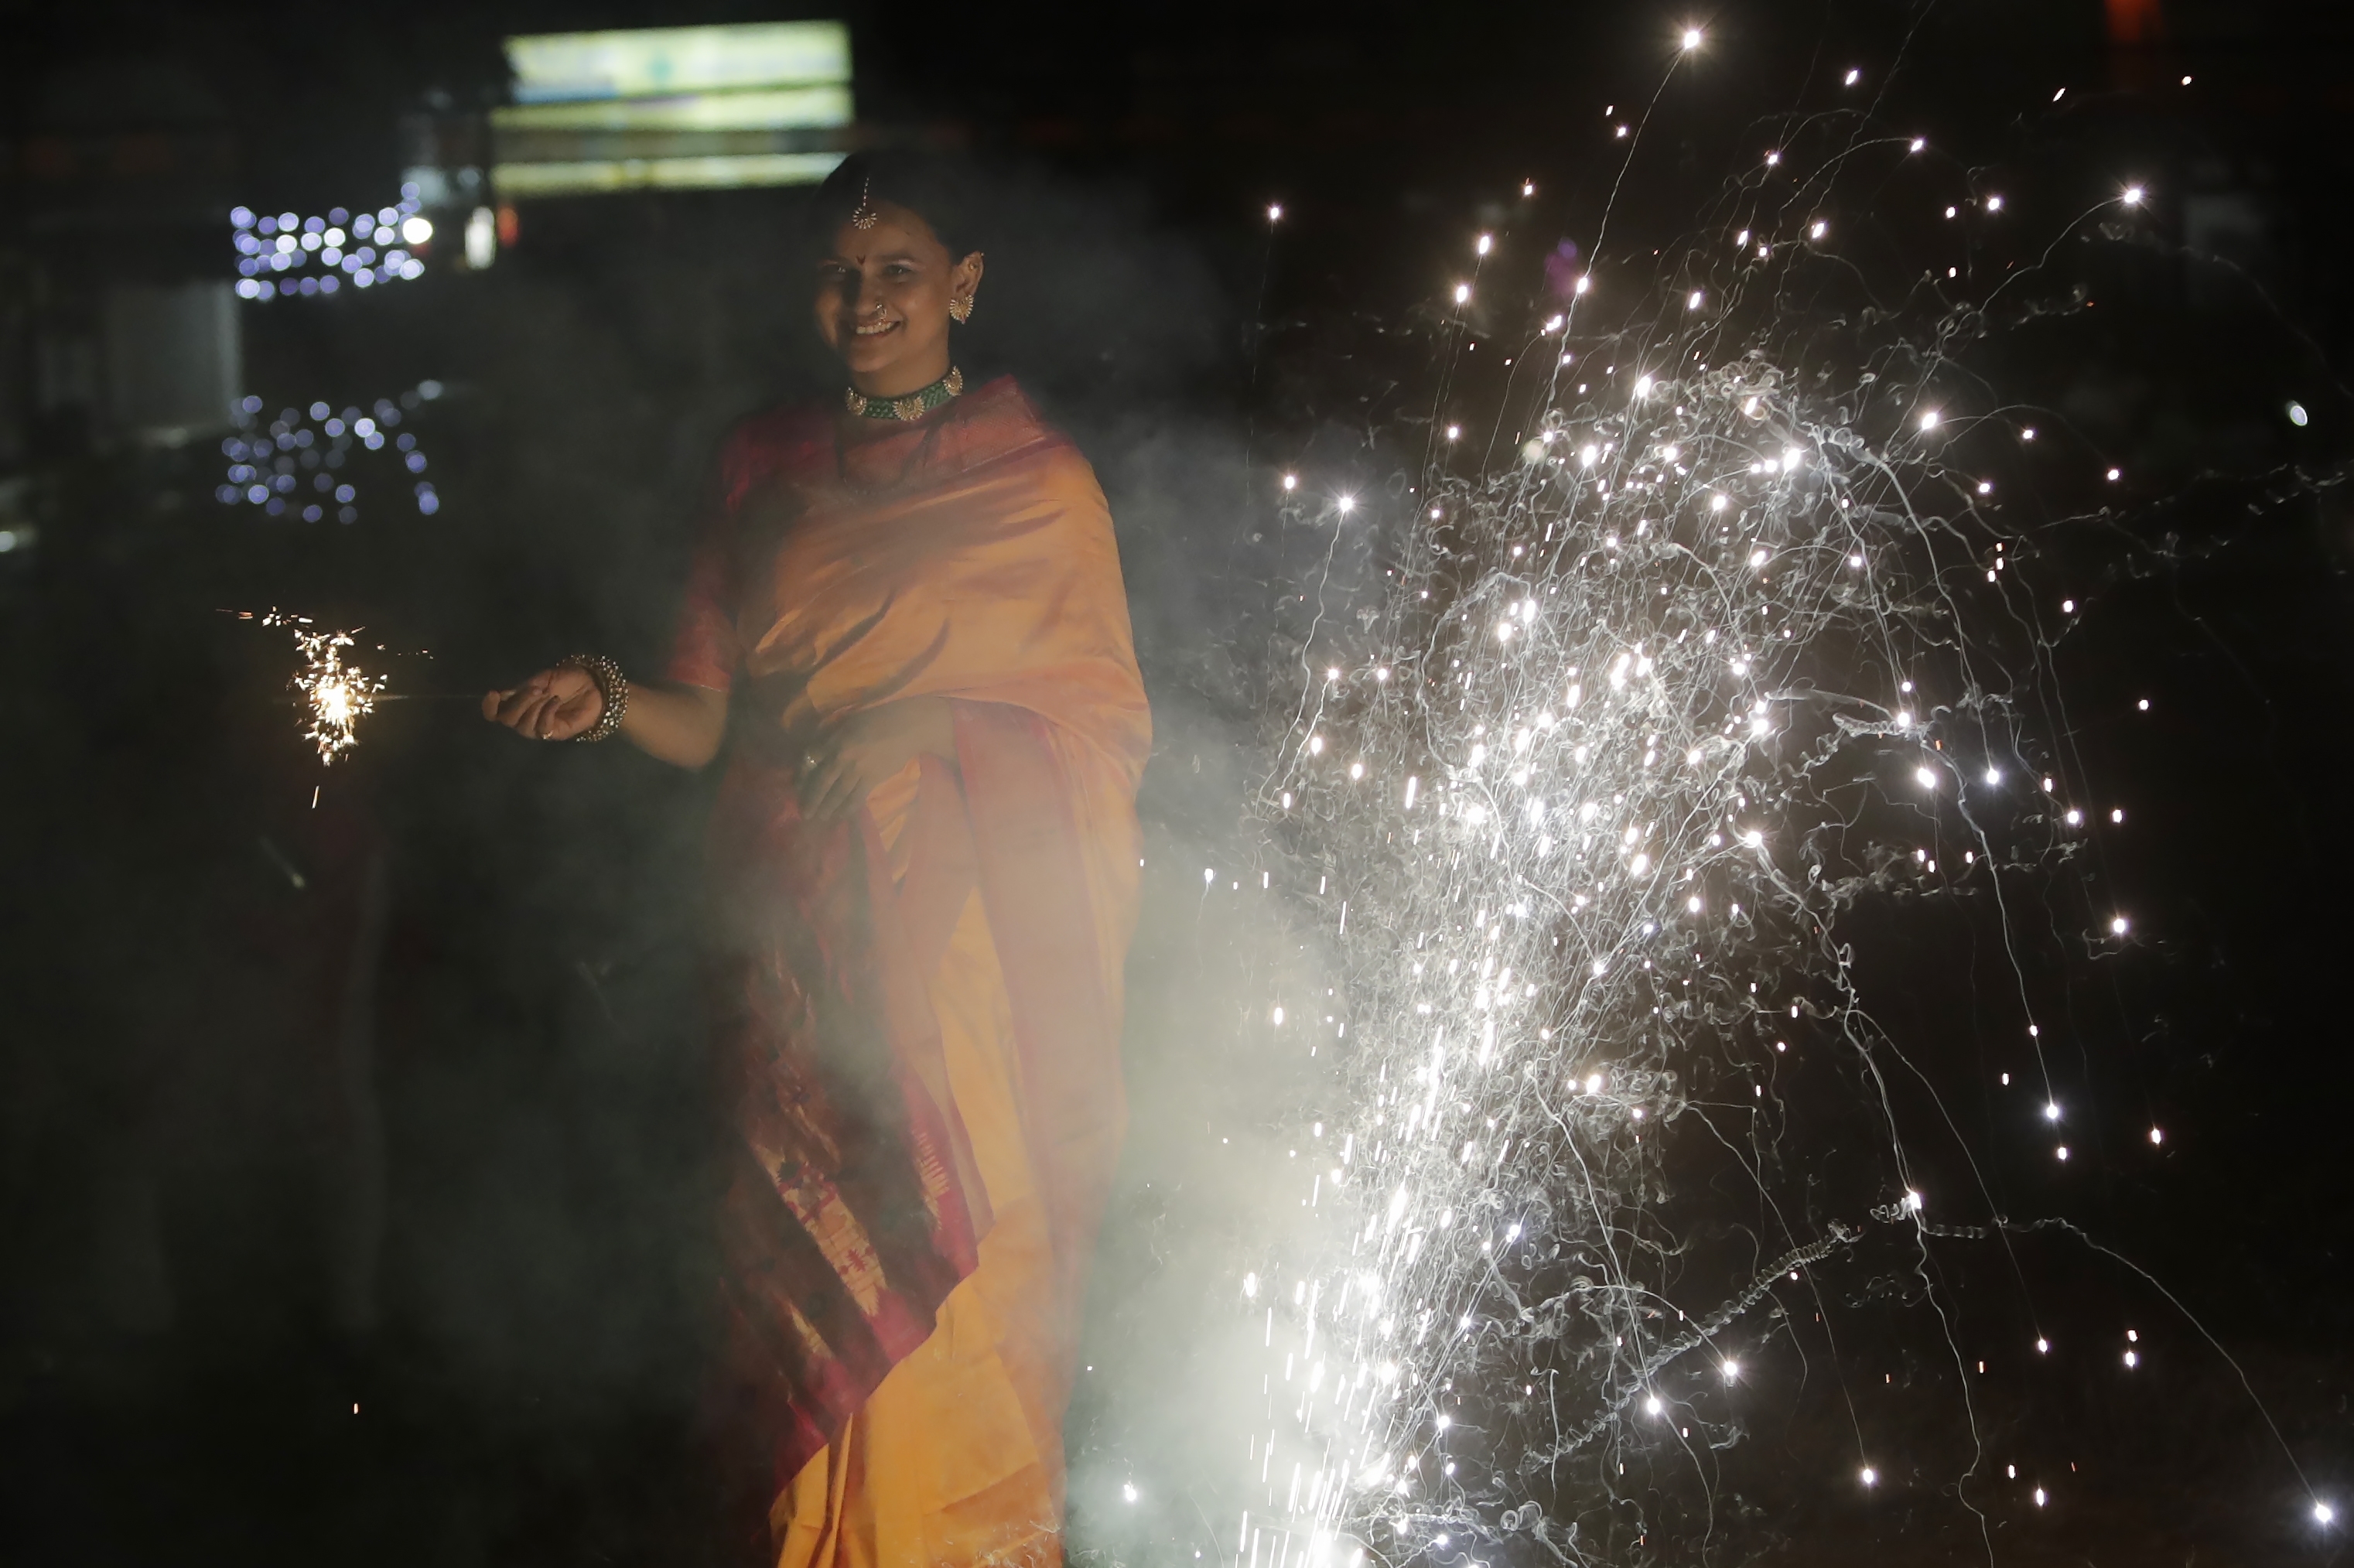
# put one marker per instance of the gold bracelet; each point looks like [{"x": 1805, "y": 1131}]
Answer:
[{"x": 611, "y": 685}]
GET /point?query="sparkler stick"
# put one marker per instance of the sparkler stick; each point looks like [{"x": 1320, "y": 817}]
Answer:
[{"x": 298, "y": 699}]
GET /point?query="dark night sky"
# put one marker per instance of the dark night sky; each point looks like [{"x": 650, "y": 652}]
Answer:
[{"x": 183, "y": 1324}]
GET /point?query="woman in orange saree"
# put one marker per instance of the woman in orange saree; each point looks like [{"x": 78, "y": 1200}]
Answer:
[{"x": 924, "y": 854}]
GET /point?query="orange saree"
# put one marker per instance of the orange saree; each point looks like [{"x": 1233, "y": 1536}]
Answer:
[{"x": 920, "y": 1010}]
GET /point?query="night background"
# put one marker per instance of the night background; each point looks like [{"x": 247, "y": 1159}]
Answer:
[{"x": 355, "y": 1152}]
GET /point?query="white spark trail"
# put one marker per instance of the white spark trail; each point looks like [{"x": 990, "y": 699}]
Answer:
[{"x": 1649, "y": 680}]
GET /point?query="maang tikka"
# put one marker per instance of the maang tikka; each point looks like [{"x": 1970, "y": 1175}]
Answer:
[{"x": 865, "y": 215}]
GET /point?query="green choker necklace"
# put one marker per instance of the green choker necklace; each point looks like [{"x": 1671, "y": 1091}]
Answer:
[{"x": 914, "y": 405}]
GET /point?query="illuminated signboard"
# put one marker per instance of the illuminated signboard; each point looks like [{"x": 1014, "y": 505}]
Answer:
[{"x": 673, "y": 107}]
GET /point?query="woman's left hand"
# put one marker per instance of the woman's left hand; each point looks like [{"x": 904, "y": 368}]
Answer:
[{"x": 852, "y": 755}]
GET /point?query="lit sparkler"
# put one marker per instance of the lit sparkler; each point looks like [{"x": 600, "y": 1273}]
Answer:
[{"x": 337, "y": 693}]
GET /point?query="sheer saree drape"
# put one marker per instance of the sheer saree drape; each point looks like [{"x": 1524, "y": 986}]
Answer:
[{"x": 920, "y": 1012}]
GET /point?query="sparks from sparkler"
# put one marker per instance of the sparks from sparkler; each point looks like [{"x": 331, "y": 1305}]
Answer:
[{"x": 337, "y": 693}]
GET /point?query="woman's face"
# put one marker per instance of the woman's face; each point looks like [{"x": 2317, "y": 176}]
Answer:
[{"x": 883, "y": 296}]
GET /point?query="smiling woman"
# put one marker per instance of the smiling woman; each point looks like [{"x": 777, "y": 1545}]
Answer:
[
  {"x": 925, "y": 858},
  {"x": 888, "y": 285}
]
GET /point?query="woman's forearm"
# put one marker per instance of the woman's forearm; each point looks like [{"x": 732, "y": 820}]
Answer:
[{"x": 679, "y": 724}]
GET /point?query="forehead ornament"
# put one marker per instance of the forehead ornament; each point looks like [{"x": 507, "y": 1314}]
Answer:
[{"x": 866, "y": 213}]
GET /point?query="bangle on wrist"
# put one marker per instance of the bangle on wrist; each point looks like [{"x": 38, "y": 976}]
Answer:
[{"x": 611, "y": 685}]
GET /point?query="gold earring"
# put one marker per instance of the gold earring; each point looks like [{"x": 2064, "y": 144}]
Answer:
[{"x": 960, "y": 309}]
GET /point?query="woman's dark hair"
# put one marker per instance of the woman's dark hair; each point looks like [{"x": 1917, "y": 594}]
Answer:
[{"x": 937, "y": 190}]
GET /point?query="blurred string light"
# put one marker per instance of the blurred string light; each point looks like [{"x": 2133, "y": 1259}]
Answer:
[
  {"x": 284, "y": 254},
  {"x": 1569, "y": 848},
  {"x": 300, "y": 462}
]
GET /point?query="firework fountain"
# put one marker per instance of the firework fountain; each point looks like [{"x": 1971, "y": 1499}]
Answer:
[{"x": 1731, "y": 625}]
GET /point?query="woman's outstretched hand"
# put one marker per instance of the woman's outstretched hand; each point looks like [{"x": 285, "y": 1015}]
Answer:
[
  {"x": 554, "y": 705},
  {"x": 849, "y": 757}
]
